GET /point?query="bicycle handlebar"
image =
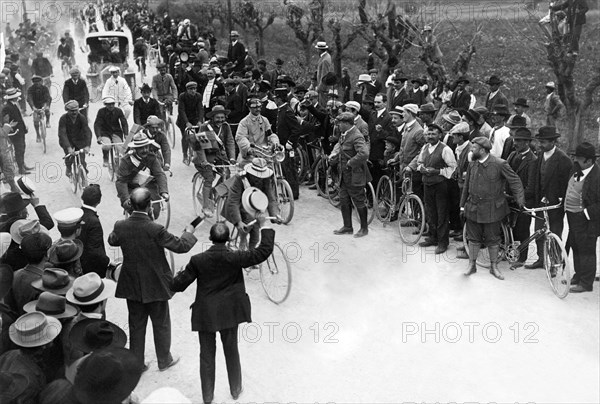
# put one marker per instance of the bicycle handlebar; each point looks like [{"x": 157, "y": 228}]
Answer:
[
  {"x": 542, "y": 209},
  {"x": 76, "y": 152},
  {"x": 266, "y": 218}
]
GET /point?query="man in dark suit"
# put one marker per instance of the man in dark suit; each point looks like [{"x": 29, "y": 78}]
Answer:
[
  {"x": 11, "y": 114},
  {"x": 495, "y": 96},
  {"x": 380, "y": 127},
  {"x": 351, "y": 155},
  {"x": 221, "y": 301},
  {"x": 288, "y": 131},
  {"x": 460, "y": 98},
  {"x": 582, "y": 204},
  {"x": 190, "y": 114},
  {"x": 236, "y": 52},
  {"x": 145, "y": 106},
  {"x": 485, "y": 204},
  {"x": 76, "y": 89},
  {"x": 93, "y": 258},
  {"x": 549, "y": 180},
  {"x": 523, "y": 162},
  {"x": 146, "y": 277},
  {"x": 396, "y": 94},
  {"x": 73, "y": 134}
]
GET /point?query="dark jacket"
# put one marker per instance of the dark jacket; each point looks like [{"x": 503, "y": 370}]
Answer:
[
  {"x": 142, "y": 110},
  {"x": 460, "y": 101},
  {"x": 524, "y": 167},
  {"x": 108, "y": 123},
  {"x": 352, "y": 160},
  {"x": 221, "y": 299},
  {"x": 93, "y": 258},
  {"x": 190, "y": 109},
  {"x": 288, "y": 127},
  {"x": 377, "y": 138},
  {"x": 128, "y": 171},
  {"x": 591, "y": 199},
  {"x": 38, "y": 96},
  {"x": 558, "y": 170},
  {"x": 235, "y": 104},
  {"x": 78, "y": 92},
  {"x": 483, "y": 193},
  {"x": 14, "y": 114},
  {"x": 75, "y": 134},
  {"x": 236, "y": 55},
  {"x": 498, "y": 99},
  {"x": 145, "y": 275},
  {"x": 397, "y": 100}
]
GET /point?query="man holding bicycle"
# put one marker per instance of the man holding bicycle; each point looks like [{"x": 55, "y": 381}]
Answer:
[
  {"x": 39, "y": 99},
  {"x": 110, "y": 126},
  {"x": 164, "y": 89},
  {"x": 212, "y": 144},
  {"x": 141, "y": 168},
  {"x": 162, "y": 148},
  {"x": 74, "y": 133},
  {"x": 255, "y": 130}
]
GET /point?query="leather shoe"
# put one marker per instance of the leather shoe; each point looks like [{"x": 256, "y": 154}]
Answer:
[
  {"x": 455, "y": 233},
  {"x": 497, "y": 274},
  {"x": 440, "y": 249},
  {"x": 344, "y": 230},
  {"x": 238, "y": 394},
  {"x": 173, "y": 362},
  {"x": 574, "y": 281},
  {"x": 427, "y": 243},
  {"x": 361, "y": 233},
  {"x": 516, "y": 265},
  {"x": 578, "y": 289},
  {"x": 536, "y": 265},
  {"x": 27, "y": 167},
  {"x": 472, "y": 269},
  {"x": 145, "y": 367}
]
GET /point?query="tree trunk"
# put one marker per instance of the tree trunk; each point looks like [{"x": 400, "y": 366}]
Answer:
[
  {"x": 307, "y": 55},
  {"x": 261, "y": 42}
]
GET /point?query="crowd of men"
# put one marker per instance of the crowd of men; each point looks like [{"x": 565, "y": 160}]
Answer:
[{"x": 474, "y": 163}]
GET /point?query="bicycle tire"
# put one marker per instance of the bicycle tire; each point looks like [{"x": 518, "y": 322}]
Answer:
[
  {"x": 320, "y": 177},
  {"x": 164, "y": 216},
  {"x": 556, "y": 265},
  {"x": 301, "y": 162},
  {"x": 332, "y": 188},
  {"x": 385, "y": 204},
  {"x": 83, "y": 181},
  {"x": 369, "y": 204},
  {"x": 43, "y": 134},
  {"x": 276, "y": 276},
  {"x": 171, "y": 136},
  {"x": 483, "y": 259},
  {"x": 285, "y": 198},
  {"x": 411, "y": 219},
  {"x": 111, "y": 164},
  {"x": 197, "y": 185},
  {"x": 74, "y": 178}
]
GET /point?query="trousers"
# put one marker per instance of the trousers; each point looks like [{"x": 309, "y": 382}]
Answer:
[
  {"x": 583, "y": 245},
  {"x": 436, "y": 206},
  {"x": 158, "y": 312}
]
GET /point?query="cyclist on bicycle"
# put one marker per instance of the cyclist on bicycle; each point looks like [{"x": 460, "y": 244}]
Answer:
[
  {"x": 140, "y": 52},
  {"x": 145, "y": 106},
  {"x": 74, "y": 133},
  {"x": 38, "y": 98},
  {"x": 141, "y": 168},
  {"x": 110, "y": 126},
  {"x": 256, "y": 174},
  {"x": 255, "y": 130},
  {"x": 164, "y": 89},
  {"x": 162, "y": 148},
  {"x": 213, "y": 142},
  {"x": 65, "y": 52},
  {"x": 41, "y": 66},
  {"x": 118, "y": 88}
]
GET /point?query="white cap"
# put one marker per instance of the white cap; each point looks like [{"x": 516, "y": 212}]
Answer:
[
  {"x": 550, "y": 84},
  {"x": 114, "y": 69},
  {"x": 412, "y": 108},
  {"x": 353, "y": 104},
  {"x": 68, "y": 216},
  {"x": 108, "y": 100}
]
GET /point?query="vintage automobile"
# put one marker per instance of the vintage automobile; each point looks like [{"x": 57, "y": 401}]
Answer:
[{"x": 106, "y": 49}]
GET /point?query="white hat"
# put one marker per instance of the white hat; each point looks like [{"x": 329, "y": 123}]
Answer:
[
  {"x": 68, "y": 217},
  {"x": 186, "y": 22},
  {"x": 460, "y": 128},
  {"x": 353, "y": 104},
  {"x": 114, "y": 69},
  {"x": 166, "y": 395},
  {"x": 364, "y": 78},
  {"x": 258, "y": 168},
  {"x": 12, "y": 93},
  {"x": 254, "y": 201},
  {"x": 89, "y": 289},
  {"x": 26, "y": 186},
  {"x": 5, "y": 240},
  {"x": 550, "y": 84},
  {"x": 34, "y": 329},
  {"x": 398, "y": 110},
  {"x": 321, "y": 45},
  {"x": 234, "y": 33},
  {"x": 25, "y": 227},
  {"x": 412, "y": 108}
]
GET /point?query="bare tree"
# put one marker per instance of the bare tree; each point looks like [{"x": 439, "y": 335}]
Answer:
[
  {"x": 340, "y": 43},
  {"x": 307, "y": 27},
  {"x": 257, "y": 21}
]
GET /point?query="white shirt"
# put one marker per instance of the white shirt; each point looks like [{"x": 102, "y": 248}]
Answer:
[
  {"x": 207, "y": 93},
  {"x": 380, "y": 112},
  {"x": 492, "y": 95},
  {"x": 484, "y": 159},
  {"x": 585, "y": 173},
  {"x": 447, "y": 155},
  {"x": 549, "y": 154},
  {"x": 499, "y": 136},
  {"x": 118, "y": 89},
  {"x": 83, "y": 205}
]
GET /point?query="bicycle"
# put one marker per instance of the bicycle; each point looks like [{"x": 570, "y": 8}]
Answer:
[
  {"x": 222, "y": 172},
  {"x": 275, "y": 272},
  {"x": 114, "y": 156},
  {"x": 139, "y": 61},
  {"x": 39, "y": 122},
  {"x": 191, "y": 131},
  {"x": 47, "y": 81},
  {"x": 333, "y": 194},
  {"x": 154, "y": 54},
  {"x": 78, "y": 177},
  {"x": 301, "y": 160},
  {"x": 65, "y": 66},
  {"x": 408, "y": 208},
  {"x": 167, "y": 109},
  {"x": 274, "y": 156},
  {"x": 556, "y": 263}
]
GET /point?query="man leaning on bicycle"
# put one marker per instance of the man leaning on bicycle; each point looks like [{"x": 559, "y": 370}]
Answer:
[{"x": 213, "y": 143}]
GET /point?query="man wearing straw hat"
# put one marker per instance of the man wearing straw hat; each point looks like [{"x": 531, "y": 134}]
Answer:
[
  {"x": 324, "y": 66},
  {"x": 11, "y": 114},
  {"x": 74, "y": 133},
  {"x": 236, "y": 52}
]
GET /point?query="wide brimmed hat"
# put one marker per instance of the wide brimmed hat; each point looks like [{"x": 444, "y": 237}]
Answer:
[
  {"x": 321, "y": 45},
  {"x": 279, "y": 62},
  {"x": 90, "y": 289},
  {"x": 26, "y": 227},
  {"x": 483, "y": 142},
  {"x": 51, "y": 305},
  {"x": 521, "y": 102},
  {"x": 141, "y": 140},
  {"x": 12, "y": 93},
  {"x": 586, "y": 150},
  {"x": 472, "y": 115},
  {"x": 417, "y": 80},
  {"x": 6, "y": 272},
  {"x": 117, "y": 368},
  {"x": 254, "y": 201},
  {"x": 92, "y": 334},
  {"x": 394, "y": 140},
  {"x": 463, "y": 79},
  {"x": 284, "y": 78},
  {"x": 453, "y": 117},
  {"x": 217, "y": 109},
  {"x": 522, "y": 133},
  {"x": 501, "y": 109},
  {"x": 258, "y": 168},
  {"x": 547, "y": 132},
  {"x": 330, "y": 79},
  {"x": 428, "y": 107},
  {"x": 15, "y": 387},
  {"x": 65, "y": 252},
  {"x": 145, "y": 88},
  {"x": 34, "y": 329},
  {"x": 363, "y": 78},
  {"x": 232, "y": 33},
  {"x": 494, "y": 80},
  {"x": 26, "y": 186},
  {"x": 55, "y": 280},
  {"x": 518, "y": 122},
  {"x": 399, "y": 77}
]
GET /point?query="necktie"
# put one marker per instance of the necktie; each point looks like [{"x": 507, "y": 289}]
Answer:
[
  {"x": 492, "y": 136},
  {"x": 578, "y": 174}
]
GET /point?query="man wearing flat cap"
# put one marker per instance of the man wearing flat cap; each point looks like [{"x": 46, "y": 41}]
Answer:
[
  {"x": 485, "y": 204},
  {"x": 190, "y": 114},
  {"x": 145, "y": 106},
  {"x": 582, "y": 204},
  {"x": 118, "y": 88},
  {"x": 110, "y": 126},
  {"x": 350, "y": 155},
  {"x": 164, "y": 88},
  {"x": 76, "y": 89},
  {"x": 73, "y": 133},
  {"x": 549, "y": 180},
  {"x": 38, "y": 98}
]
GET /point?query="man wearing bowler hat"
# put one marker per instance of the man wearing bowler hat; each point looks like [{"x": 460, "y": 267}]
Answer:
[
  {"x": 494, "y": 96},
  {"x": 191, "y": 113},
  {"x": 324, "y": 66},
  {"x": 520, "y": 107},
  {"x": 38, "y": 98},
  {"x": 550, "y": 179},
  {"x": 221, "y": 301},
  {"x": 502, "y": 142},
  {"x": 460, "y": 99},
  {"x": 397, "y": 94},
  {"x": 236, "y": 52},
  {"x": 145, "y": 106},
  {"x": 74, "y": 133},
  {"x": 523, "y": 162},
  {"x": 582, "y": 204}
]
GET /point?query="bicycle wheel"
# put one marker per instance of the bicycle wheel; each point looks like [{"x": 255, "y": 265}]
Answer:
[
  {"x": 83, "y": 181},
  {"x": 219, "y": 205},
  {"x": 197, "y": 185},
  {"x": 276, "y": 276},
  {"x": 164, "y": 216},
  {"x": 301, "y": 163},
  {"x": 333, "y": 187},
  {"x": 43, "y": 134},
  {"x": 369, "y": 198},
  {"x": 111, "y": 164},
  {"x": 74, "y": 178},
  {"x": 171, "y": 132},
  {"x": 411, "y": 219},
  {"x": 385, "y": 203},
  {"x": 286, "y": 201},
  {"x": 556, "y": 264},
  {"x": 320, "y": 177}
]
